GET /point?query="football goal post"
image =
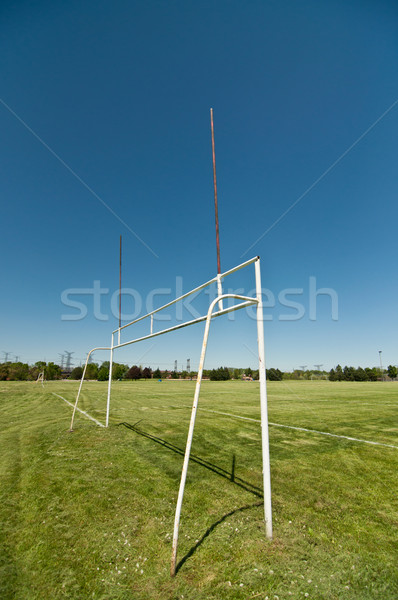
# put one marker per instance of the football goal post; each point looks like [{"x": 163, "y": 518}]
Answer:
[
  {"x": 40, "y": 377},
  {"x": 216, "y": 309}
]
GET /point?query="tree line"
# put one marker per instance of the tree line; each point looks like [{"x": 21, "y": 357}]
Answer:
[{"x": 19, "y": 371}]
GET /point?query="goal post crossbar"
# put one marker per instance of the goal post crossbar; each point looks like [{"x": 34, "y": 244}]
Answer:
[
  {"x": 215, "y": 279},
  {"x": 247, "y": 302}
]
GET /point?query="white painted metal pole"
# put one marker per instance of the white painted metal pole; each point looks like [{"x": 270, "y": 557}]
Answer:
[
  {"x": 78, "y": 393},
  {"x": 189, "y": 444},
  {"x": 219, "y": 291},
  {"x": 190, "y": 431},
  {"x": 108, "y": 402},
  {"x": 263, "y": 403}
]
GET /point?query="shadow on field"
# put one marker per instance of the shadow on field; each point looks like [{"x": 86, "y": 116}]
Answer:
[
  {"x": 246, "y": 485},
  {"x": 210, "y": 529}
]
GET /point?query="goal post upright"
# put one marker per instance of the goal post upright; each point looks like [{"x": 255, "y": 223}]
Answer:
[
  {"x": 263, "y": 403},
  {"x": 108, "y": 400},
  {"x": 184, "y": 472}
]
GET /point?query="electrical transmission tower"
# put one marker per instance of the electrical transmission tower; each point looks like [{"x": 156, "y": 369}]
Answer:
[
  {"x": 303, "y": 367},
  {"x": 16, "y": 358},
  {"x": 6, "y": 355},
  {"x": 68, "y": 360},
  {"x": 318, "y": 367},
  {"x": 62, "y": 359},
  {"x": 188, "y": 365}
]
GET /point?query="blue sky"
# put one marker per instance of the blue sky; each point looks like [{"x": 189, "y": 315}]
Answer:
[{"x": 110, "y": 102}]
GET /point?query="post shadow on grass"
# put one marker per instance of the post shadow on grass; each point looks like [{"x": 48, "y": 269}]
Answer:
[
  {"x": 246, "y": 485},
  {"x": 210, "y": 529}
]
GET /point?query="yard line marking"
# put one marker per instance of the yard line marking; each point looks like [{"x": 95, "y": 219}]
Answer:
[
  {"x": 82, "y": 411},
  {"x": 345, "y": 437}
]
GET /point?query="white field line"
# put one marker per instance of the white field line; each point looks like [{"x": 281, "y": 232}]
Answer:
[
  {"x": 344, "y": 437},
  {"x": 81, "y": 411}
]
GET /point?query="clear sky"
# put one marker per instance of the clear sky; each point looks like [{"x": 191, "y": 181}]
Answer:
[{"x": 105, "y": 130}]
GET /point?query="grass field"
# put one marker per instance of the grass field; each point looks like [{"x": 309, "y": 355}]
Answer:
[{"x": 90, "y": 514}]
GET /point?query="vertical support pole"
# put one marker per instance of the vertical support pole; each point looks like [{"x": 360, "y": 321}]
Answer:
[
  {"x": 108, "y": 402},
  {"x": 151, "y": 324},
  {"x": 219, "y": 291},
  {"x": 263, "y": 403},
  {"x": 80, "y": 389},
  {"x": 189, "y": 443}
]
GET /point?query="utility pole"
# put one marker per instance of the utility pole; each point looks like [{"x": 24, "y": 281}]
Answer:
[
  {"x": 175, "y": 366},
  {"x": 188, "y": 365},
  {"x": 381, "y": 366}
]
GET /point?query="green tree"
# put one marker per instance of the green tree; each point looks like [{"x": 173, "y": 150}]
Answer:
[
  {"x": 52, "y": 371},
  {"x": 371, "y": 373},
  {"x": 157, "y": 374},
  {"x": 4, "y": 371},
  {"x": 103, "y": 373},
  {"x": 392, "y": 371},
  {"x": 18, "y": 371},
  {"x": 361, "y": 375},
  {"x": 119, "y": 371},
  {"x": 92, "y": 371},
  {"x": 339, "y": 373},
  {"x": 220, "y": 374},
  {"x": 76, "y": 373},
  {"x": 349, "y": 373},
  {"x": 274, "y": 374}
]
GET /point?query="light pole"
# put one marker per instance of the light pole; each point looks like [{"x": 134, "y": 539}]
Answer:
[{"x": 381, "y": 366}]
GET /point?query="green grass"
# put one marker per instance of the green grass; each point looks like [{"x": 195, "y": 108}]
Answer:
[{"x": 90, "y": 514}]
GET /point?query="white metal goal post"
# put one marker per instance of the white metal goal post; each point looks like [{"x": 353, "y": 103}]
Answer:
[{"x": 245, "y": 301}]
